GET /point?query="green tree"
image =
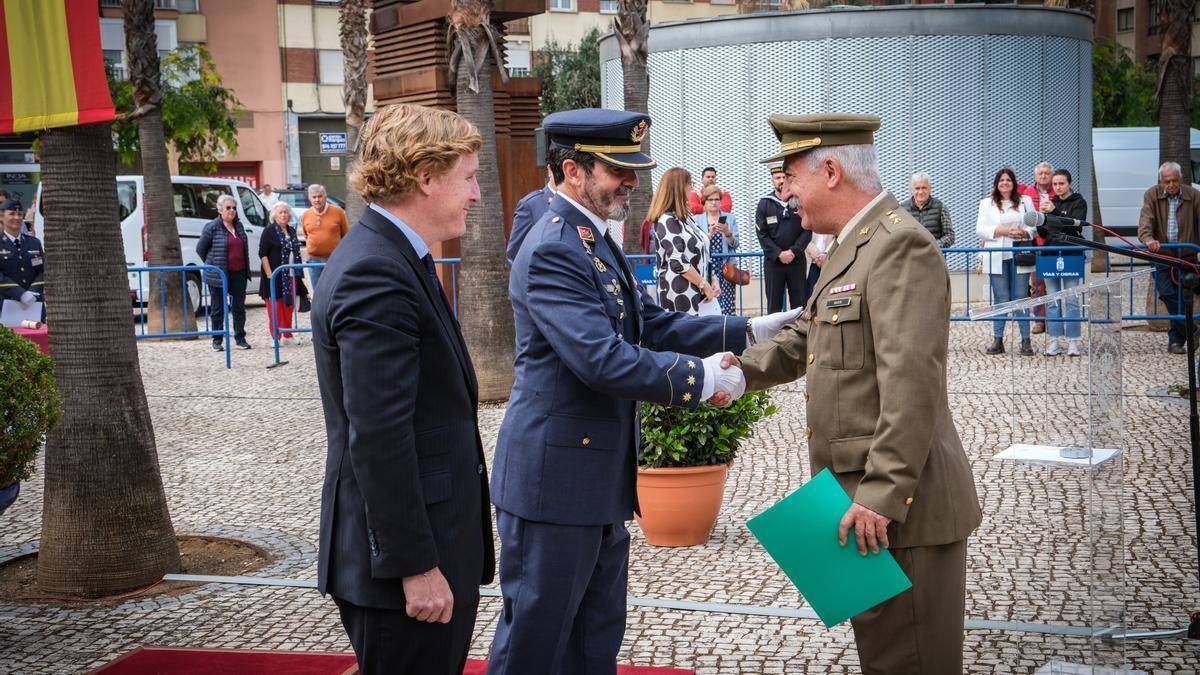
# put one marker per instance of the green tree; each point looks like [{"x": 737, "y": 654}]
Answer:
[
  {"x": 570, "y": 74},
  {"x": 199, "y": 115},
  {"x": 1122, "y": 91},
  {"x": 1176, "y": 84}
]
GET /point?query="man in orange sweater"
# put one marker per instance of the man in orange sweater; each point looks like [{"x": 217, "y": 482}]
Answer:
[{"x": 324, "y": 225}]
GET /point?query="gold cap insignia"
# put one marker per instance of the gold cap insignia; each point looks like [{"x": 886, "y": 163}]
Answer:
[{"x": 639, "y": 131}]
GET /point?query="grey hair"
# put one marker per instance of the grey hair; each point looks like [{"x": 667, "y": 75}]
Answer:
[
  {"x": 1174, "y": 166},
  {"x": 278, "y": 206},
  {"x": 860, "y": 163},
  {"x": 1039, "y": 165},
  {"x": 316, "y": 188},
  {"x": 224, "y": 198},
  {"x": 920, "y": 175}
]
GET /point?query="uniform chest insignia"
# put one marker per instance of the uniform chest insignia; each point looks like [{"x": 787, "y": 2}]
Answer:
[
  {"x": 841, "y": 289},
  {"x": 585, "y": 233},
  {"x": 599, "y": 265},
  {"x": 839, "y": 302}
]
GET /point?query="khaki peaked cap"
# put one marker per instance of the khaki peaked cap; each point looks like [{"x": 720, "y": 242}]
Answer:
[{"x": 799, "y": 133}]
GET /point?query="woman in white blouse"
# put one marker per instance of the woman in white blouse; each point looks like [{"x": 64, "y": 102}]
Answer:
[{"x": 1000, "y": 225}]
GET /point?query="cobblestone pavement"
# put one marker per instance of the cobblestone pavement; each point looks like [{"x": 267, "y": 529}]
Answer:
[{"x": 242, "y": 454}]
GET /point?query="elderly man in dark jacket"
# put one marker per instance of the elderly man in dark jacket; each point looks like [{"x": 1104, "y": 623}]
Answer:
[{"x": 930, "y": 211}]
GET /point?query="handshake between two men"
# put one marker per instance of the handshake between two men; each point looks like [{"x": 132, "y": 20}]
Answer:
[{"x": 724, "y": 381}]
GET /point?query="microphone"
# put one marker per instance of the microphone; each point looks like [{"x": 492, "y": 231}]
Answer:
[{"x": 1050, "y": 225}]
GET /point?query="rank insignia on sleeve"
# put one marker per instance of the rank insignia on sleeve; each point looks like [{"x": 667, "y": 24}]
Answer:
[
  {"x": 841, "y": 289},
  {"x": 691, "y": 364},
  {"x": 687, "y": 396},
  {"x": 585, "y": 233}
]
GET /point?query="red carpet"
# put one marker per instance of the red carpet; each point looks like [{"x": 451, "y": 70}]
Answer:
[{"x": 188, "y": 661}]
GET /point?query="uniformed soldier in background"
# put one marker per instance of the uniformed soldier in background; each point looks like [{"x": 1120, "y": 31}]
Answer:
[
  {"x": 783, "y": 240},
  {"x": 873, "y": 341},
  {"x": 22, "y": 261},
  {"x": 590, "y": 345}
]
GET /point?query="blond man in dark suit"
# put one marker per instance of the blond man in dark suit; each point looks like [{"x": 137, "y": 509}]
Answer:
[{"x": 872, "y": 341}]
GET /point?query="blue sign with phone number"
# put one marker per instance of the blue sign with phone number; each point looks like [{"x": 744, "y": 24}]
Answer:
[{"x": 1060, "y": 266}]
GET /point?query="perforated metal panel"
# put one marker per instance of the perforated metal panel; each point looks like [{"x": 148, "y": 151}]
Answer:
[
  {"x": 957, "y": 106},
  {"x": 612, "y": 86}
]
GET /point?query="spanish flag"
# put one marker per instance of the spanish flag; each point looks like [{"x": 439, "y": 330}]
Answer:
[{"x": 51, "y": 65}]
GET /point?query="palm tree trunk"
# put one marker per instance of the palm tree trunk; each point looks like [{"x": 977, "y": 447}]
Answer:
[
  {"x": 162, "y": 234},
  {"x": 1175, "y": 85},
  {"x": 354, "y": 34},
  {"x": 105, "y": 524},
  {"x": 486, "y": 318},
  {"x": 633, "y": 33}
]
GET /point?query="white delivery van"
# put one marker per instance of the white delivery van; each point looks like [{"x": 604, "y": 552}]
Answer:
[
  {"x": 1127, "y": 164},
  {"x": 195, "y": 204}
]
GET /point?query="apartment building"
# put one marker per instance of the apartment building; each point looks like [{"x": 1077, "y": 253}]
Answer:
[{"x": 1134, "y": 24}]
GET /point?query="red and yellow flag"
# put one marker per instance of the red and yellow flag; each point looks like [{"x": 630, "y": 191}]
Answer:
[{"x": 51, "y": 65}]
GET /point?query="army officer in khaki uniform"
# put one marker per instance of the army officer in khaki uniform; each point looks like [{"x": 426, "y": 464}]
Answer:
[{"x": 873, "y": 340}]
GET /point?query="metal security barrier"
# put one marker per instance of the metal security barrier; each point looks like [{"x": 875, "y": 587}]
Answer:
[
  {"x": 276, "y": 331},
  {"x": 1129, "y": 311},
  {"x": 192, "y": 280}
]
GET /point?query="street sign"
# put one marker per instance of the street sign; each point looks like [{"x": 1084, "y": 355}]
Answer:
[
  {"x": 1060, "y": 266},
  {"x": 333, "y": 143}
]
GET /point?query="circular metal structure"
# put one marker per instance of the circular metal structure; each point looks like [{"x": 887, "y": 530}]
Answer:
[{"x": 962, "y": 90}]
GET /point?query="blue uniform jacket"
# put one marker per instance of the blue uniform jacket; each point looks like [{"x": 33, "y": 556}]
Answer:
[
  {"x": 529, "y": 210},
  {"x": 589, "y": 347},
  {"x": 22, "y": 267}
]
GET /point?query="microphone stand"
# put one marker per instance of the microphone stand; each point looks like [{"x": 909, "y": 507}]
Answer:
[{"x": 1188, "y": 281}]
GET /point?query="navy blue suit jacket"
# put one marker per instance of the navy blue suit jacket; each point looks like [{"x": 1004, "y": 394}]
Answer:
[
  {"x": 22, "y": 267},
  {"x": 529, "y": 210},
  {"x": 589, "y": 347},
  {"x": 405, "y": 482}
]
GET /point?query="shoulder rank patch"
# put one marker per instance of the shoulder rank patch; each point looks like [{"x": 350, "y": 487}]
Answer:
[
  {"x": 838, "y": 302},
  {"x": 585, "y": 233},
  {"x": 841, "y": 289}
]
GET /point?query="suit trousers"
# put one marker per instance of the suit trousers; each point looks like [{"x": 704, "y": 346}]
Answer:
[
  {"x": 920, "y": 631},
  {"x": 779, "y": 278},
  {"x": 564, "y": 597},
  {"x": 389, "y": 641},
  {"x": 1177, "y": 301}
]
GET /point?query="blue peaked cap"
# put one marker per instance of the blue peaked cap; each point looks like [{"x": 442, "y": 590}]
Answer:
[{"x": 612, "y": 136}]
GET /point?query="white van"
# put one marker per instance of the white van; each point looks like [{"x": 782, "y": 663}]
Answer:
[
  {"x": 195, "y": 204},
  {"x": 1127, "y": 164}
]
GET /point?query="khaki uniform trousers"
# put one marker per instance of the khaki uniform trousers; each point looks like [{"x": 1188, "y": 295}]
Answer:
[{"x": 920, "y": 631}]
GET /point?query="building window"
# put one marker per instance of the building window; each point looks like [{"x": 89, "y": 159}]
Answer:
[
  {"x": 115, "y": 59},
  {"x": 187, "y": 6},
  {"x": 1125, "y": 19},
  {"x": 333, "y": 70},
  {"x": 608, "y": 6},
  {"x": 1153, "y": 27},
  {"x": 562, "y": 5}
]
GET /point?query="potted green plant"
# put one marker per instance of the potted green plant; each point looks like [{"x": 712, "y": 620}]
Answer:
[
  {"x": 29, "y": 407},
  {"x": 684, "y": 460}
]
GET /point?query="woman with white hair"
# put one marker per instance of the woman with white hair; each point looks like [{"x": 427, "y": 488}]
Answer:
[
  {"x": 223, "y": 244},
  {"x": 280, "y": 246}
]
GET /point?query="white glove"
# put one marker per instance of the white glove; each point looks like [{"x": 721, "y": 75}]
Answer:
[
  {"x": 729, "y": 380},
  {"x": 765, "y": 327},
  {"x": 27, "y": 299}
]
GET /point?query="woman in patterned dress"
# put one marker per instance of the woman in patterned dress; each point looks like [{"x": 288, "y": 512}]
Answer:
[
  {"x": 722, "y": 238},
  {"x": 683, "y": 262}
]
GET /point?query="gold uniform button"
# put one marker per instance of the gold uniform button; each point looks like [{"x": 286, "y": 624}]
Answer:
[
  {"x": 621, "y": 315},
  {"x": 908, "y": 501},
  {"x": 808, "y": 432},
  {"x": 865, "y": 231},
  {"x": 834, "y": 319},
  {"x": 812, "y": 357},
  {"x": 586, "y": 441},
  {"x": 555, "y": 219}
]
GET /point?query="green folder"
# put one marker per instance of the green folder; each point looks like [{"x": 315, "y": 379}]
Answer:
[{"x": 800, "y": 534}]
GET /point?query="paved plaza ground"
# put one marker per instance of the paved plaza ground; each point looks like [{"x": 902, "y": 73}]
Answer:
[{"x": 243, "y": 452}]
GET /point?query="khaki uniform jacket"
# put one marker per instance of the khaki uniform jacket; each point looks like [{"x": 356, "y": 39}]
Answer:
[
  {"x": 873, "y": 342},
  {"x": 1152, "y": 222}
]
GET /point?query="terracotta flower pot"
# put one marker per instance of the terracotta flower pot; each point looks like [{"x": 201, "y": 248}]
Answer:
[{"x": 680, "y": 505}]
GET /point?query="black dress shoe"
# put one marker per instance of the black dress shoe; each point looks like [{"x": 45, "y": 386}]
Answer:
[
  {"x": 218, "y": 346},
  {"x": 1026, "y": 348},
  {"x": 997, "y": 346},
  {"x": 242, "y": 344},
  {"x": 1176, "y": 348}
]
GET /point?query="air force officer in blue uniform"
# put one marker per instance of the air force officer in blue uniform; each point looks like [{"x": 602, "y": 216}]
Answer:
[
  {"x": 22, "y": 262},
  {"x": 590, "y": 345},
  {"x": 529, "y": 210}
]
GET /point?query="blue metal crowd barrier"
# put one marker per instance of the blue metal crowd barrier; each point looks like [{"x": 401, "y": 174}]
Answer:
[
  {"x": 972, "y": 264},
  {"x": 143, "y": 299},
  {"x": 276, "y": 330}
]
